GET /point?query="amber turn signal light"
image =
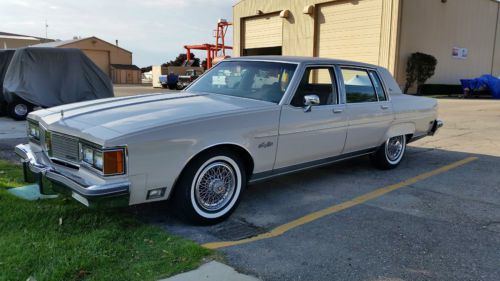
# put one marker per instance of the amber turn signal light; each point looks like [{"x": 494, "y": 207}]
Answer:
[{"x": 114, "y": 162}]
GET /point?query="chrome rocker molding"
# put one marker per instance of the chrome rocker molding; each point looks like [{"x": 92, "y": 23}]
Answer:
[{"x": 30, "y": 164}]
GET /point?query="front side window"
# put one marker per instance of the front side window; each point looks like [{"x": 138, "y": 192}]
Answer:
[
  {"x": 317, "y": 81},
  {"x": 266, "y": 81},
  {"x": 358, "y": 86}
]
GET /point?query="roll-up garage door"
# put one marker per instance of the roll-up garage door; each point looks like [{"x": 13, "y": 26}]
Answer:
[
  {"x": 349, "y": 30},
  {"x": 263, "y": 35},
  {"x": 100, "y": 58}
]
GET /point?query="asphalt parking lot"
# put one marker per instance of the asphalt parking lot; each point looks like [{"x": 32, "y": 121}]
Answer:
[
  {"x": 436, "y": 217},
  {"x": 440, "y": 220}
]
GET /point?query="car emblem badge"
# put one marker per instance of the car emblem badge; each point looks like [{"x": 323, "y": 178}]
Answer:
[
  {"x": 266, "y": 144},
  {"x": 62, "y": 113}
]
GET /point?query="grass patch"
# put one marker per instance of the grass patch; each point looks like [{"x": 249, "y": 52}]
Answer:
[{"x": 60, "y": 239}]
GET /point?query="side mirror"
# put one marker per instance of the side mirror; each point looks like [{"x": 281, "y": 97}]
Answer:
[{"x": 309, "y": 101}]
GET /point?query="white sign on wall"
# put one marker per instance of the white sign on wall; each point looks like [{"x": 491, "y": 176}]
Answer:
[{"x": 460, "y": 53}]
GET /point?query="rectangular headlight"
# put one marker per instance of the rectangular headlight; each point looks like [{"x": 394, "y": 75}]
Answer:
[
  {"x": 33, "y": 130},
  {"x": 108, "y": 161},
  {"x": 88, "y": 154},
  {"x": 47, "y": 142}
]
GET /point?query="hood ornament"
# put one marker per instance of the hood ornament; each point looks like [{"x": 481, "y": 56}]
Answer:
[{"x": 62, "y": 113}]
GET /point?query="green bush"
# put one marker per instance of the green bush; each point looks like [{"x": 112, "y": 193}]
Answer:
[{"x": 419, "y": 68}]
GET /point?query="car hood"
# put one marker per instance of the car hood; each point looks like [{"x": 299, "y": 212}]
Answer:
[{"x": 110, "y": 118}]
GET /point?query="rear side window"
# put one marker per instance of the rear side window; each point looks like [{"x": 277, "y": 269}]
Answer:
[
  {"x": 378, "y": 86},
  {"x": 358, "y": 86}
]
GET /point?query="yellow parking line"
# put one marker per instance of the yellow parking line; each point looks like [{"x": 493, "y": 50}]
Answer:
[{"x": 337, "y": 208}]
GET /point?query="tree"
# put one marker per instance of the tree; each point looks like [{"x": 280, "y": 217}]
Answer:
[
  {"x": 181, "y": 58},
  {"x": 146, "y": 69},
  {"x": 419, "y": 68}
]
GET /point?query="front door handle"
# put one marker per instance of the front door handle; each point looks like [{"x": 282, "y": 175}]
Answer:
[
  {"x": 338, "y": 110},
  {"x": 384, "y": 107}
]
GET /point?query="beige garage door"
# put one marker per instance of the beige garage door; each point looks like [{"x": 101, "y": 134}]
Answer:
[
  {"x": 100, "y": 58},
  {"x": 349, "y": 30},
  {"x": 263, "y": 32}
]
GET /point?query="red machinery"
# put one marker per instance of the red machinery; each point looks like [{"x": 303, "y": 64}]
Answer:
[{"x": 217, "y": 51}]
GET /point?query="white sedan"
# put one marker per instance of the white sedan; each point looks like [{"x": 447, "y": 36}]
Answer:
[{"x": 245, "y": 120}]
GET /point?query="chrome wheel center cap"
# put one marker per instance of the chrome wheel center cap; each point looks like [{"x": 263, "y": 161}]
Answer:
[{"x": 217, "y": 186}]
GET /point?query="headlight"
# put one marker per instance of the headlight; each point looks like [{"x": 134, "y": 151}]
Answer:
[
  {"x": 33, "y": 130},
  {"x": 47, "y": 142},
  {"x": 108, "y": 161},
  {"x": 88, "y": 155},
  {"x": 98, "y": 161}
]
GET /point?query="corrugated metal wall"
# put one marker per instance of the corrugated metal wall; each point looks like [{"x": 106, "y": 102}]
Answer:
[
  {"x": 436, "y": 28},
  {"x": 350, "y": 31},
  {"x": 298, "y": 30},
  {"x": 262, "y": 32}
]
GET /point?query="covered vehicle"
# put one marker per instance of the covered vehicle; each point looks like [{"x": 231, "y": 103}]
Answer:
[
  {"x": 47, "y": 77},
  {"x": 486, "y": 82},
  {"x": 5, "y": 58},
  {"x": 246, "y": 119}
]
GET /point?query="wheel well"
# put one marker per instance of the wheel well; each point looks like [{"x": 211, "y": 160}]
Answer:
[
  {"x": 408, "y": 137},
  {"x": 241, "y": 152}
]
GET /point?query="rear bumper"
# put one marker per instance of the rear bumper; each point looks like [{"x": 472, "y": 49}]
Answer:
[
  {"x": 51, "y": 179},
  {"x": 436, "y": 125}
]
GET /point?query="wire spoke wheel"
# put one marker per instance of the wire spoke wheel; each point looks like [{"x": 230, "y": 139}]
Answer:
[
  {"x": 215, "y": 186},
  {"x": 394, "y": 148}
]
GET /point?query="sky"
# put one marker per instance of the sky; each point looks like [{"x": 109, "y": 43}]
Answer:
[{"x": 155, "y": 31}]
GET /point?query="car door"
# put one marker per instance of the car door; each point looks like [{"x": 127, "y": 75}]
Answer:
[
  {"x": 314, "y": 133},
  {"x": 370, "y": 112}
]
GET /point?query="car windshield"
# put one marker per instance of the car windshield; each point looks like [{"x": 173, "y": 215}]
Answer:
[{"x": 266, "y": 81}]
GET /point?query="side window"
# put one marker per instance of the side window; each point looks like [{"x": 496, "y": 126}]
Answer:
[
  {"x": 358, "y": 86},
  {"x": 318, "y": 81},
  {"x": 378, "y": 86}
]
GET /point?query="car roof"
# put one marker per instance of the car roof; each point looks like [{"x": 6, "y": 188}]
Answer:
[{"x": 298, "y": 59}]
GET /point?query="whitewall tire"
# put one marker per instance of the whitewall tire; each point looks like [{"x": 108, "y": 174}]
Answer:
[
  {"x": 390, "y": 153},
  {"x": 210, "y": 186}
]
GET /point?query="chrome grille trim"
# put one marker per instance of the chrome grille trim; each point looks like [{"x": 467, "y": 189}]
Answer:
[{"x": 65, "y": 148}]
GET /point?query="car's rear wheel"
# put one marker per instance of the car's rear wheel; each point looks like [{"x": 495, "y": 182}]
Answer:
[
  {"x": 209, "y": 188},
  {"x": 390, "y": 154}
]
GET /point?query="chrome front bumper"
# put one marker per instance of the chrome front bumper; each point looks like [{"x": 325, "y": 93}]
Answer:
[
  {"x": 43, "y": 174},
  {"x": 435, "y": 127}
]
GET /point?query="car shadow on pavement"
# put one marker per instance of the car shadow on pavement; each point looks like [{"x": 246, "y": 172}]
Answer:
[{"x": 274, "y": 202}]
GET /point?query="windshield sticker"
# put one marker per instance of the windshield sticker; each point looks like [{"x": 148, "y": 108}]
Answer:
[{"x": 219, "y": 80}]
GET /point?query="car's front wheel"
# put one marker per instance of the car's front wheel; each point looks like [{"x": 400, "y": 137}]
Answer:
[
  {"x": 390, "y": 154},
  {"x": 19, "y": 109},
  {"x": 209, "y": 188}
]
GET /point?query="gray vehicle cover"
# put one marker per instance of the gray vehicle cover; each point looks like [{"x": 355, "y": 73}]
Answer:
[
  {"x": 49, "y": 77},
  {"x": 5, "y": 57}
]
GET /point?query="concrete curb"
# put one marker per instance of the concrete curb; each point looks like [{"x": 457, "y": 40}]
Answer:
[{"x": 212, "y": 271}]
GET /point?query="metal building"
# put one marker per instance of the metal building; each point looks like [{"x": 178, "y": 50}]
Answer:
[
  {"x": 112, "y": 59},
  {"x": 464, "y": 35},
  {"x": 12, "y": 41}
]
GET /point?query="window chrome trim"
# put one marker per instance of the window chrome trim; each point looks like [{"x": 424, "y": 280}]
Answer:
[
  {"x": 334, "y": 78},
  {"x": 359, "y": 68}
]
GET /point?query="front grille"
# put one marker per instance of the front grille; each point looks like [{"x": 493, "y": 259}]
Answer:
[{"x": 65, "y": 148}]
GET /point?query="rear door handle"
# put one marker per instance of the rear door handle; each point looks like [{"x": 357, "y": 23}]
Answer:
[
  {"x": 338, "y": 110},
  {"x": 384, "y": 107}
]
